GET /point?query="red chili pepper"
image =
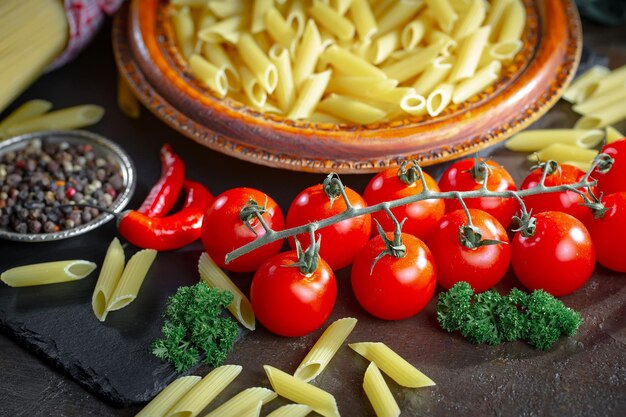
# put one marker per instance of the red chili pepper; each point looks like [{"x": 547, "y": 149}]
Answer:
[
  {"x": 165, "y": 192},
  {"x": 171, "y": 232}
]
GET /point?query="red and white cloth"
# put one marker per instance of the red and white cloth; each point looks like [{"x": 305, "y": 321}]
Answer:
[{"x": 84, "y": 18}]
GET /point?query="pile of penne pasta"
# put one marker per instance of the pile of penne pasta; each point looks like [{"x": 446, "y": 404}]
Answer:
[
  {"x": 190, "y": 395},
  {"x": 598, "y": 96},
  {"x": 348, "y": 61}
]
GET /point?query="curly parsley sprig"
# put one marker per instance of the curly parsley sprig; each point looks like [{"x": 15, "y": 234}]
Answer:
[
  {"x": 537, "y": 318},
  {"x": 195, "y": 327}
]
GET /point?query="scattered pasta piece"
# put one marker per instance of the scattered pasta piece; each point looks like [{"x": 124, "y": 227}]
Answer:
[
  {"x": 613, "y": 134},
  {"x": 242, "y": 402},
  {"x": 69, "y": 118},
  {"x": 240, "y": 307},
  {"x": 110, "y": 274},
  {"x": 128, "y": 286},
  {"x": 28, "y": 110},
  {"x": 579, "y": 90},
  {"x": 392, "y": 364},
  {"x": 378, "y": 393},
  {"x": 296, "y": 390},
  {"x": 47, "y": 273},
  {"x": 534, "y": 140},
  {"x": 126, "y": 100},
  {"x": 291, "y": 410},
  {"x": 325, "y": 348},
  {"x": 166, "y": 399},
  {"x": 560, "y": 153}
]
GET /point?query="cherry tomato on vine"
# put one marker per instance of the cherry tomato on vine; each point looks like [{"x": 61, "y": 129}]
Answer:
[
  {"x": 482, "y": 265},
  {"x": 288, "y": 302},
  {"x": 558, "y": 258},
  {"x": 566, "y": 202},
  {"x": 421, "y": 216},
  {"x": 466, "y": 175},
  {"x": 340, "y": 241},
  {"x": 608, "y": 232},
  {"x": 224, "y": 230},
  {"x": 397, "y": 288},
  {"x": 615, "y": 179}
]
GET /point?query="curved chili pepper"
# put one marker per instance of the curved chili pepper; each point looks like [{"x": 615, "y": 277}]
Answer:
[
  {"x": 171, "y": 232},
  {"x": 165, "y": 192}
]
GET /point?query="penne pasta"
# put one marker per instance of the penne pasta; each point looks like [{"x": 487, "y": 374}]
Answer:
[
  {"x": 438, "y": 100},
  {"x": 278, "y": 28},
  {"x": 381, "y": 6},
  {"x": 296, "y": 17},
  {"x": 444, "y": 14},
  {"x": 378, "y": 392},
  {"x": 319, "y": 117},
  {"x": 471, "y": 20},
  {"x": 126, "y": 100},
  {"x": 501, "y": 51},
  {"x": 601, "y": 117},
  {"x": 307, "y": 54},
  {"x": 460, "y": 5},
  {"x": 224, "y": 8},
  {"x": 69, "y": 118},
  {"x": 253, "y": 90},
  {"x": 413, "y": 33},
  {"x": 285, "y": 89},
  {"x": 204, "y": 391},
  {"x": 310, "y": 95},
  {"x": 561, "y": 152},
  {"x": 513, "y": 22},
  {"x": 243, "y": 401},
  {"x": 399, "y": 13},
  {"x": 291, "y": 410},
  {"x": 184, "y": 29},
  {"x": 583, "y": 166},
  {"x": 363, "y": 18},
  {"x": 615, "y": 79},
  {"x": 341, "y": 6},
  {"x": 615, "y": 97},
  {"x": 130, "y": 282},
  {"x": 350, "y": 64},
  {"x": 436, "y": 72},
  {"x": 365, "y": 87},
  {"x": 351, "y": 109},
  {"x": 216, "y": 278},
  {"x": 613, "y": 134},
  {"x": 204, "y": 19},
  {"x": 298, "y": 391},
  {"x": 534, "y": 140},
  {"x": 28, "y": 110},
  {"x": 494, "y": 16},
  {"x": 257, "y": 62},
  {"x": 217, "y": 56},
  {"x": 210, "y": 75},
  {"x": 580, "y": 89},
  {"x": 383, "y": 46},
  {"x": 479, "y": 82},
  {"x": 469, "y": 54},
  {"x": 324, "y": 349},
  {"x": 259, "y": 11},
  {"x": 414, "y": 64},
  {"x": 413, "y": 104},
  {"x": 110, "y": 274},
  {"x": 166, "y": 399},
  {"x": 253, "y": 411},
  {"x": 227, "y": 30},
  {"x": 47, "y": 273},
  {"x": 332, "y": 21},
  {"x": 392, "y": 364}
]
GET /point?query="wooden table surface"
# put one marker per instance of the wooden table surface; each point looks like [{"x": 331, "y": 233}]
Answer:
[{"x": 28, "y": 387}]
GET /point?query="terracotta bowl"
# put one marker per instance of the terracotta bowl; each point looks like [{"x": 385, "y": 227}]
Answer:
[{"x": 529, "y": 87}]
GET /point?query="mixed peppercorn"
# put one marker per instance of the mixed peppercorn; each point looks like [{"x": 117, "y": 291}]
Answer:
[{"x": 39, "y": 181}]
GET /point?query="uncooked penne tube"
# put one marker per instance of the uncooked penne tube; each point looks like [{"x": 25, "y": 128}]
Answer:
[
  {"x": 614, "y": 97},
  {"x": 258, "y": 63},
  {"x": 383, "y": 46},
  {"x": 110, "y": 274},
  {"x": 392, "y": 364},
  {"x": 436, "y": 72},
  {"x": 130, "y": 282},
  {"x": 225, "y": 8},
  {"x": 204, "y": 391},
  {"x": 494, "y": 16},
  {"x": 413, "y": 33},
  {"x": 363, "y": 18},
  {"x": 581, "y": 88},
  {"x": 443, "y": 13},
  {"x": 320, "y": 117},
  {"x": 332, "y": 21},
  {"x": 324, "y": 349},
  {"x": 469, "y": 54},
  {"x": 296, "y": 17},
  {"x": 366, "y": 87},
  {"x": 561, "y": 152},
  {"x": 184, "y": 29},
  {"x": 613, "y": 134},
  {"x": 501, "y": 51},
  {"x": 241, "y": 402},
  {"x": 513, "y": 22},
  {"x": 217, "y": 56},
  {"x": 126, "y": 100},
  {"x": 438, "y": 100},
  {"x": 378, "y": 392},
  {"x": 210, "y": 75},
  {"x": 259, "y": 10},
  {"x": 309, "y": 96},
  {"x": 240, "y": 307},
  {"x": 291, "y": 410},
  {"x": 285, "y": 89},
  {"x": 471, "y": 20},
  {"x": 479, "y": 82},
  {"x": 69, "y": 118},
  {"x": 47, "y": 273},
  {"x": 256, "y": 94},
  {"x": 603, "y": 116},
  {"x": 351, "y": 109},
  {"x": 350, "y": 64},
  {"x": 583, "y": 166},
  {"x": 341, "y": 6},
  {"x": 301, "y": 392},
  {"x": 413, "y": 104},
  {"x": 228, "y": 30},
  {"x": 534, "y": 140},
  {"x": 413, "y": 64},
  {"x": 307, "y": 54},
  {"x": 278, "y": 28},
  {"x": 28, "y": 110},
  {"x": 400, "y": 12},
  {"x": 615, "y": 79},
  {"x": 166, "y": 399}
]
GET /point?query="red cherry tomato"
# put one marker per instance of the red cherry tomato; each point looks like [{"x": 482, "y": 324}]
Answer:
[
  {"x": 567, "y": 201},
  {"x": 421, "y": 216},
  {"x": 558, "y": 258},
  {"x": 482, "y": 267},
  {"x": 397, "y": 288},
  {"x": 609, "y": 232},
  {"x": 223, "y": 230},
  {"x": 615, "y": 179},
  {"x": 289, "y": 303},
  {"x": 341, "y": 241},
  {"x": 463, "y": 175}
]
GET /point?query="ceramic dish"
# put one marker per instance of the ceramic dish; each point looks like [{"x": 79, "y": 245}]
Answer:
[
  {"x": 102, "y": 147},
  {"x": 530, "y": 85}
]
